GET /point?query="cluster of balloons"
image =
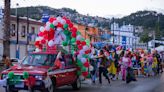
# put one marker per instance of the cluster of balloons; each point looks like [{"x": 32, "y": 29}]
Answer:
[
  {"x": 61, "y": 31},
  {"x": 13, "y": 79}
]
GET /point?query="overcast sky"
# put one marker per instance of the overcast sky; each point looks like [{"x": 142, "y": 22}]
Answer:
[{"x": 96, "y": 7}]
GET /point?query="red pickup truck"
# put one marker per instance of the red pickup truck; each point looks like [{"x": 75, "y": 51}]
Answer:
[{"x": 40, "y": 66}]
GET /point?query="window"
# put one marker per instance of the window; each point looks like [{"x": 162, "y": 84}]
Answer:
[
  {"x": 13, "y": 30},
  {"x": 39, "y": 60},
  {"x": 69, "y": 61},
  {"x": 23, "y": 31},
  {"x": 32, "y": 30}
]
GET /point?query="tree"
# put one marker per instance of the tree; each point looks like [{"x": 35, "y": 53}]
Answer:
[
  {"x": 158, "y": 33},
  {"x": 145, "y": 36},
  {"x": 6, "y": 42}
]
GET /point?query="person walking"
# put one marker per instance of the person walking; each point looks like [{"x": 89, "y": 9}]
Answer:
[
  {"x": 125, "y": 63},
  {"x": 103, "y": 67},
  {"x": 94, "y": 64},
  {"x": 7, "y": 62}
]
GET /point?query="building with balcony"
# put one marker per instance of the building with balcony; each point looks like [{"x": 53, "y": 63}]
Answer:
[
  {"x": 23, "y": 42},
  {"x": 124, "y": 35}
]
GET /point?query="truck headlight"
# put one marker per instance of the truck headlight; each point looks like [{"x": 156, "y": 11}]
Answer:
[
  {"x": 39, "y": 77},
  {"x": 4, "y": 76}
]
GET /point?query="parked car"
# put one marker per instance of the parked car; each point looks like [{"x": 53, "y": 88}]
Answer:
[
  {"x": 14, "y": 60},
  {"x": 41, "y": 66}
]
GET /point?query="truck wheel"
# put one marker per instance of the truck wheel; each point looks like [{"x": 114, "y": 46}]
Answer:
[
  {"x": 77, "y": 84},
  {"x": 52, "y": 87}
]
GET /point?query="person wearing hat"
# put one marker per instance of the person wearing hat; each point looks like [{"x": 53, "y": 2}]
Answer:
[{"x": 113, "y": 63}]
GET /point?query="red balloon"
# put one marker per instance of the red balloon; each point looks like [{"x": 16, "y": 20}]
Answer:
[
  {"x": 80, "y": 47},
  {"x": 70, "y": 25},
  {"x": 86, "y": 64},
  {"x": 85, "y": 74},
  {"x": 37, "y": 43},
  {"x": 43, "y": 41},
  {"x": 74, "y": 35},
  {"x": 40, "y": 34},
  {"x": 51, "y": 19},
  {"x": 45, "y": 37},
  {"x": 78, "y": 42},
  {"x": 83, "y": 43},
  {"x": 30, "y": 82},
  {"x": 88, "y": 51},
  {"x": 68, "y": 21},
  {"x": 45, "y": 32},
  {"x": 77, "y": 53},
  {"x": 64, "y": 17},
  {"x": 74, "y": 30},
  {"x": 40, "y": 46},
  {"x": 60, "y": 25}
]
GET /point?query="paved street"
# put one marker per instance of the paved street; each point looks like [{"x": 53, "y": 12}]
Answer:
[{"x": 153, "y": 84}]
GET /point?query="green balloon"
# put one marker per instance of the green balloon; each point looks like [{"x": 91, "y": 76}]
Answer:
[
  {"x": 87, "y": 41},
  {"x": 65, "y": 43},
  {"x": 25, "y": 75},
  {"x": 82, "y": 39},
  {"x": 86, "y": 56},
  {"x": 66, "y": 32},
  {"x": 78, "y": 33},
  {"x": 10, "y": 75},
  {"x": 83, "y": 69},
  {"x": 52, "y": 26},
  {"x": 65, "y": 26},
  {"x": 68, "y": 37},
  {"x": 73, "y": 40},
  {"x": 88, "y": 76},
  {"x": 79, "y": 73},
  {"x": 80, "y": 64}
]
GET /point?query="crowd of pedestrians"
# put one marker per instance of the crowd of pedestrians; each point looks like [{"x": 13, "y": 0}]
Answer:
[{"x": 117, "y": 63}]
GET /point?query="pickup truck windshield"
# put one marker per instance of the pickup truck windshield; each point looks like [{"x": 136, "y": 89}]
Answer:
[{"x": 39, "y": 60}]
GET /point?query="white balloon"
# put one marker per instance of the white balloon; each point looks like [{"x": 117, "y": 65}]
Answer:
[
  {"x": 85, "y": 48},
  {"x": 55, "y": 22},
  {"x": 82, "y": 52},
  {"x": 37, "y": 50},
  {"x": 41, "y": 28},
  {"x": 47, "y": 28},
  {"x": 63, "y": 21},
  {"x": 58, "y": 30},
  {"x": 91, "y": 68},
  {"x": 83, "y": 60},
  {"x": 59, "y": 19},
  {"x": 79, "y": 56},
  {"x": 56, "y": 40},
  {"x": 48, "y": 23},
  {"x": 51, "y": 43},
  {"x": 38, "y": 38},
  {"x": 79, "y": 37}
]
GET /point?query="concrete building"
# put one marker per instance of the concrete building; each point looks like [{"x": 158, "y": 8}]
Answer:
[
  {"x": 91, "y": 33},
  {"x": 124, "y": 35},
  {"x": 24, "y": 46}
]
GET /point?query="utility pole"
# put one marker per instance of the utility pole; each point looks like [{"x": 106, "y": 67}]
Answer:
[
  {"x": 27, "y": 30},
  {"x": 6, "y": 41},
  {"x": 17, "y": 40}
]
